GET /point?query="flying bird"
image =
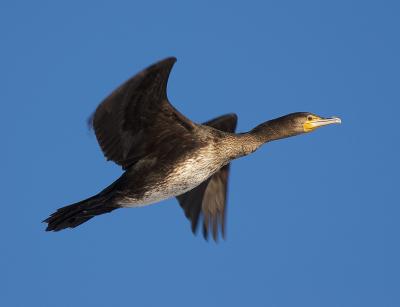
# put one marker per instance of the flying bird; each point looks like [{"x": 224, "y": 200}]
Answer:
[{"x": 164, "y": 154}]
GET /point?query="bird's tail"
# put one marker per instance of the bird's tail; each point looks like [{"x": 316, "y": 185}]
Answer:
[{"x": 80, "y": 212}]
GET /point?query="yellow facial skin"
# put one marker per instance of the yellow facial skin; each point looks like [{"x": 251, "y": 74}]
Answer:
[{"x": 313, "y": 122}]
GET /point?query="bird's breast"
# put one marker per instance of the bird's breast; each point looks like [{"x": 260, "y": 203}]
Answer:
[{"x": 175, "y": 179}]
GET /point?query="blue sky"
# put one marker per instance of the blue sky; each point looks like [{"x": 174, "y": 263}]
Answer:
[{"x": 312, "y": 220}]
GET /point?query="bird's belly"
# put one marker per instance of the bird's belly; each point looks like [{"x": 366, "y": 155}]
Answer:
[{"x": 184, "y": 177}]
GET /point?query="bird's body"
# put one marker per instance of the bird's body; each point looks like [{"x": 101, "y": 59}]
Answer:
[
  {"x": 164, "y": 154},
  {"x": 175, "y": 173}
]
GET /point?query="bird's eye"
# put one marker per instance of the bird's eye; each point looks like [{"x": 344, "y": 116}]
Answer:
[{"x": 309, "y": 118}]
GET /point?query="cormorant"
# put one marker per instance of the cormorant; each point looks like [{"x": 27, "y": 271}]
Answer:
[{"x": 164, "y": 154}]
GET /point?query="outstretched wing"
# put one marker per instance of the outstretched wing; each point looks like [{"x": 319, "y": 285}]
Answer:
[
  {"x": 137, "y": 117},
  {"x": 209, "y": 198}
]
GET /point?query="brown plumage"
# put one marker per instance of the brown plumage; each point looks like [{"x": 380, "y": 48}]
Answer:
[{"x": 164, "y": 154}]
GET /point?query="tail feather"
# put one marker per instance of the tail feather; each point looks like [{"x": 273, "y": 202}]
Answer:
[{"x": 78, "y": 213}]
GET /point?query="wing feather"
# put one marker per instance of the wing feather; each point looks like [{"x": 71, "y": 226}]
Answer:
[{"x": 137, "y": 117}]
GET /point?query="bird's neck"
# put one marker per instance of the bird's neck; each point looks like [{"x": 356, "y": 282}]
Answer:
[
  {"x": 242, "y": 144},
  {"x": 272, "y": 130}
]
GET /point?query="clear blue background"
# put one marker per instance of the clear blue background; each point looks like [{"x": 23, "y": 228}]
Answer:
[{"x": 312, "y": 220}]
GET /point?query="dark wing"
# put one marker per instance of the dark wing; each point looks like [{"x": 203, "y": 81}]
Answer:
[
  {"x": 137, "y": 117},
  {"x": 209, "y": 198}
]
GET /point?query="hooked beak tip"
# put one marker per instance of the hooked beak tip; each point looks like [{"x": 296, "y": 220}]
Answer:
[{"x": 335, "y": 120}]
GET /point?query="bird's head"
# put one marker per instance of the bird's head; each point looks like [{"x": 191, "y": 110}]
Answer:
[{"x": 303, "y": 122}]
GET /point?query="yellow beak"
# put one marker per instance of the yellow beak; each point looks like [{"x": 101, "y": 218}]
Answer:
[{"x": 310, "y": 125}]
